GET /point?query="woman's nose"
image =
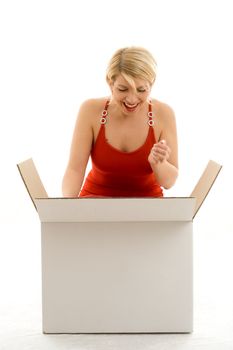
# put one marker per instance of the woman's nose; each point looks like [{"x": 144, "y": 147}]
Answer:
[{"x": 131, "y": 98}]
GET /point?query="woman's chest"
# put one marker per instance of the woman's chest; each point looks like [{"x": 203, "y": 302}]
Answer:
[{"x": 127, "y": 137}]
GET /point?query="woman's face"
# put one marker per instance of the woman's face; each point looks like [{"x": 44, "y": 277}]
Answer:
[{"x": 130, "y": 100}]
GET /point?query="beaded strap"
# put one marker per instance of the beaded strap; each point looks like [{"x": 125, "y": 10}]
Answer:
[
  {"x": 104, "y": 114},
  {"x": 150, "y": 115}
]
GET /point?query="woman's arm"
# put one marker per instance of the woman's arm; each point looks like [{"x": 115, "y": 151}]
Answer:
[
  {"x": 163, "y": 157},
  {"x": 79, "y": 152}
]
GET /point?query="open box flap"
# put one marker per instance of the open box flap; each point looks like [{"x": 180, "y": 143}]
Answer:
[
  {"x": 32, "y": 180},
  {"x": 69, "y": 208},
  {"x": 115, "y": 209},
  {"x": 205, "y": 183}
]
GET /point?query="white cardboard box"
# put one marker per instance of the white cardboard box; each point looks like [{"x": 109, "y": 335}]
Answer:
[{"x": 117, "y": 265}]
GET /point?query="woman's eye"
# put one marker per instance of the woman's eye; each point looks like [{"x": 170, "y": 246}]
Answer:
[{"x": 123, "y": 90}]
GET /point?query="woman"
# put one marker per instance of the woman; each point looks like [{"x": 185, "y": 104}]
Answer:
[{"x": 131, "y": 138}]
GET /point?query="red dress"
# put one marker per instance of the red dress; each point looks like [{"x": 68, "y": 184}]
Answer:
[{"x": 116, "y": 173}]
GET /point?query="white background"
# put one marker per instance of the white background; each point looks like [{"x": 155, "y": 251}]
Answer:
[{"x": 54, "y": 55}]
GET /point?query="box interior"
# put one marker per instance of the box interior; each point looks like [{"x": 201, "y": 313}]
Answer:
[{"x": 36, "y": 190}]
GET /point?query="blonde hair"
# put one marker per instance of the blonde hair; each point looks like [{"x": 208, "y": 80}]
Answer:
[{"x": 132, "y": 62}]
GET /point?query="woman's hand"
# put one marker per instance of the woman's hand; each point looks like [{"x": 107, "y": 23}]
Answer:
[{"x": 159, "y": 153}]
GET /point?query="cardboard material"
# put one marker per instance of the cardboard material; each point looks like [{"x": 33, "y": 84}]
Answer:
[
  {"x": 117, "y": 265},
  {"x": 115, "y": 209},
  {"x": 117, "y": 277},
  {"x": 205, "y": 183},
  {"x": 32, "y": 180}
]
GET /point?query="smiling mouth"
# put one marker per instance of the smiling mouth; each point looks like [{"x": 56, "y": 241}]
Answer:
[{"x": 130, "y": 107}]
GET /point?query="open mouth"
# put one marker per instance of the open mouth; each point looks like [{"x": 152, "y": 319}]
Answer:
[{"x": 129, "y": 107}]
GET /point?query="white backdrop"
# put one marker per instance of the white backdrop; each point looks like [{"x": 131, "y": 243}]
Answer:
[{"x": 54, "y": 55}]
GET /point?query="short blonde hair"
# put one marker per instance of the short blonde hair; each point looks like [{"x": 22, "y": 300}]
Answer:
[{"x": 132, "y": 62}]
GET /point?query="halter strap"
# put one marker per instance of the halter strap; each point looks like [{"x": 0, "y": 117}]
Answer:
[
  {"x": 150, "y": 115},
  {"x": 103, "y": 118},
  {"x": 104, "y": 113}
]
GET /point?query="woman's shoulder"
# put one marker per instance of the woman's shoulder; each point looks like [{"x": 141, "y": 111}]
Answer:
[
  {"x": 163, "y": 111},
  {"x": 90, "y": 110},
  {"x": 161, "y": 107},
  {"x": 94, "y": 105}
]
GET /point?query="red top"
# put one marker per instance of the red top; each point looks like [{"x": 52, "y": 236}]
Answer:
[{"x": 116, "y": 173}]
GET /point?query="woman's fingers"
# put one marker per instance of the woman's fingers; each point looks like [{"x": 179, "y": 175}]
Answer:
[{"x": 161, "y": 151}]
